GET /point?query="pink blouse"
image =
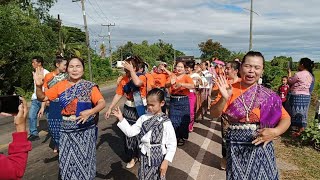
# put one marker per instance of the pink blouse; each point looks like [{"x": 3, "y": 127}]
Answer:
[{"x": 300, "y": 83}]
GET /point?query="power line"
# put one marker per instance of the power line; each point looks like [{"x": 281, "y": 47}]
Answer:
[
  {"x": 95, "y": 9},
  {"x": 102, "y": 11}
]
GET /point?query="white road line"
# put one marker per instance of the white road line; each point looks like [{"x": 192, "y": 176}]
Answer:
[{"x": 197, "y": 163}]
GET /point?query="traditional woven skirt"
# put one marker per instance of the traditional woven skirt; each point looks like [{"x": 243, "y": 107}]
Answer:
[
  {"x": 131, "y": 143},
  {"x": 147, "y": 172},
  {"x": 246, "y": 161},
  {"x": 192, "y": 102},
  {"x": 298, "y": 109},
  {"x": 54, "y": 121},
  {"x": 179, "y": 114},
  {"x": 77, "y": 155}
]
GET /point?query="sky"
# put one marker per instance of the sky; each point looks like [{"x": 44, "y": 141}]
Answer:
[{"x": 287, "y": 27}]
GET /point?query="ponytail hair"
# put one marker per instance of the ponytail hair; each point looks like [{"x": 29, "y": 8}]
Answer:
[
  {"x": 156, "y": 92},
  {"x": 308, "y": 64}
]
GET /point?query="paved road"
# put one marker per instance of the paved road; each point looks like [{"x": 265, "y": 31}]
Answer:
[{"x": 198, "y": 159}]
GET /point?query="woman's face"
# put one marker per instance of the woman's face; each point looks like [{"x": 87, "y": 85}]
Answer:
[
  {"x": 75, "y": 69},
  {"x": 180, "y": 68},
  {"x": 251, "y": 70},
  {"x": 62, "y": 66},
  {"x": 230, "y": 72}
]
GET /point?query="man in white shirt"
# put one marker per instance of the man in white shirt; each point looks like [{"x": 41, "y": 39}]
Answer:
[{"x": 37, "y": 61}]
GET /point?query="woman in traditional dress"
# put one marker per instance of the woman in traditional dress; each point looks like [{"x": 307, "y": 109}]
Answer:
[
  {"x": 54, "y": 110},
  {"x": 179, "y": 111},
  {"x": 300, "y": 95},
  {"x": 80, "y": 100},
  {"x": 134, "y": 87},
  {"x": 256, "y": 117}
]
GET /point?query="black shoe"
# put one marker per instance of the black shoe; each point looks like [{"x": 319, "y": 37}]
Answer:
[{"x": 33, "y": 137}]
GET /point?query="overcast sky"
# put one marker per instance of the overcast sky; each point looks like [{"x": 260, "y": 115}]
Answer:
[{"x": 286, "y": 27}]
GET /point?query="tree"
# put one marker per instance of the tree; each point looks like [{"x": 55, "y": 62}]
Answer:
[
  {"x": 281, "y": 61},
  {"x": 212, "y": 49}
]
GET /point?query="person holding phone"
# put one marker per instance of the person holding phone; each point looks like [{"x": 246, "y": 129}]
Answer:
[{"x": 13, "y": 166}]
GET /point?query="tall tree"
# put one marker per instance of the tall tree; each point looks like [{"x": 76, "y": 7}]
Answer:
[{"x": 212, "y": 49}]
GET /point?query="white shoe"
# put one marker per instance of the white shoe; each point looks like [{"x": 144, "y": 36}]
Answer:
[
  {"x": 223, "y": 163},
  {"x": 131, "y": 164}
]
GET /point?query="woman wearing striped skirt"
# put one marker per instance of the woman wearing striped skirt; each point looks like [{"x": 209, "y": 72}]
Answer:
[
  {"x": 301, "y": 87},
  {"x": 134, "y": 86},
  {"x": 179, "y": 112}
]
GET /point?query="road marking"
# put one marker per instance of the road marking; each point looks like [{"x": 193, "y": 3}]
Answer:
[{"x": 197, "y": 163}]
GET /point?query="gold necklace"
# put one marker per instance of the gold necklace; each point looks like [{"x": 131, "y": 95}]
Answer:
[{"x": 247, "y": 108}]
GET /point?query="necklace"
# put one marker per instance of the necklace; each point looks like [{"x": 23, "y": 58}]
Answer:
[{"x": 247, "y": 108}]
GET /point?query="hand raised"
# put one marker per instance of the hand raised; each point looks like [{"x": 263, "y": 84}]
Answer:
[
  {"x": 128, "y": 66},
  {"x": 224, "y": 88},
  {"x": 38, "y": 76},
  {"x": 117, "y": 113}
]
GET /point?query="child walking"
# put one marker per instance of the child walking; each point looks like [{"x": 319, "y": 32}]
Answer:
[{"x": 156, "y": 135}]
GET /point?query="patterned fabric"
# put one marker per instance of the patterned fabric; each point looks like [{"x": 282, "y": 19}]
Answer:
[
  {"x": 54, "y": 121},
  {"x": 179, "y": 113},
  {"x": 247, "y": 161},
  {"x": 131, "y": 143},
  {"x": 192, "y": 102},
  {"x": 265, "y": 99},
  {"x": 224, "y": 129},
  {"x": 150, "y": 162},
  {"x": 298, "y": 110},
  {"x": 77, "y": 155},
  {"x": 81, "y": 91},
  {"x": 56, "y": 79}
]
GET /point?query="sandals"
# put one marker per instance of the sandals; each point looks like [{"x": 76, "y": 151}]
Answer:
[{"x": 180, "y": 142}]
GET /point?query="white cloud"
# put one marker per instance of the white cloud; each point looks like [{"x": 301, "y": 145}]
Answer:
[{"x": 282, "y": 27}]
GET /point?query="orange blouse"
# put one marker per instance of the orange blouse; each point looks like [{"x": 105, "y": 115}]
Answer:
[
  {"x": 125, "y": 80},
  {"x": 160, "y": 79},
  {"x": 71, "y": 108},
  {"x": 181, "y": 90},
  {"x": 236, "y": 92},
  {"x": 47, "y": 78}
]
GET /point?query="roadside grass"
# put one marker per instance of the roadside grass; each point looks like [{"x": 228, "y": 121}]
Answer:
[{"x": 304, "y": 156}]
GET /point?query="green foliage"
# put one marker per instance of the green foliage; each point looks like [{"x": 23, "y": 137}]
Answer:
[
  {"x": 281, "y": 61},
  {"x": 311, "y": 135},
  {"x": 25, "y": 37},
  {"x": 272, "y": 76},
  {"x": 212, "y": 49},
  {"x": 160, "y": 51}
]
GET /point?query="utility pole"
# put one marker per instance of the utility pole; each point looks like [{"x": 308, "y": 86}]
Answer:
[
  {"x": 109, "y": 35},
  {"x": 103, "y": 54},
  {"x": 60, "y": 38},
  {"x": 251, "y": 11},
  {"x": 87, "y": 35}
]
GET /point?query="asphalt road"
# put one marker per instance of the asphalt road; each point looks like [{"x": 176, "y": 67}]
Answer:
[{"x": 198, "y": 159}]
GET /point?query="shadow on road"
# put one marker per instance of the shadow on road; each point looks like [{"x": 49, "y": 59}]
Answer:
[
  {"x": 117, "y": 173},
  {"x": 204, "y": 133},
  {"x": 209, "y": 159},
  {"x": 115, "y": 141},
  {"x": 176, "y": 174}
]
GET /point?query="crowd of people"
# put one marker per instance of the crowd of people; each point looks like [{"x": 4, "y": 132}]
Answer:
[{"x": 161, "y": 108}]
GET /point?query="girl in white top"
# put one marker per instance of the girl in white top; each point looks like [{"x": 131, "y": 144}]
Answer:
[{"x": 156, "y": 134}]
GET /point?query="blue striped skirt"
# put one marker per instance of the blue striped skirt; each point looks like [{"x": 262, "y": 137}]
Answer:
[
  {"x": 298, "y": 109},
  {"x": 247, "y": 161},
  {"x": 179, "y": 114},
  {"x": 54, "y": 121}
]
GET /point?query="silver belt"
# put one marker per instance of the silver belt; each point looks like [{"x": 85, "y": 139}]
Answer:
[
  {"x": 132, "y": 104},
  {"x": 69, "y": 118},
  {"x": 244, "y": 126}
]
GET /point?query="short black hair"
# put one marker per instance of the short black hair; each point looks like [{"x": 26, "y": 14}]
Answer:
[
  {"x": 39, "y": 59},
  {"x": 284, "y": 77},
  {"x": 156, "y": 92},
  {"x": 252, "y": 54}
]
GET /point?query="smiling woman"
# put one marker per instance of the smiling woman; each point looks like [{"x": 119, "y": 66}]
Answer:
[
  {"x": 80, "y": 100},
  {"x": 256, "y": 117}
]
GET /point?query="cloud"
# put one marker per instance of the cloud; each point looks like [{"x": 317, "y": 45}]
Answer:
[{"x": 281, "y": 27}]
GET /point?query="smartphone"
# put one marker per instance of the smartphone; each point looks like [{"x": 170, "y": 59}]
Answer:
[{"x": 9, "y": 104}]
